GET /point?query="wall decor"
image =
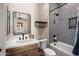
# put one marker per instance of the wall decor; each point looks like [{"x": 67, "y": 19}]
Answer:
[{"x": 72, "y": 22}]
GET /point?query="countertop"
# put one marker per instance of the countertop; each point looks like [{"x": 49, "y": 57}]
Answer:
[{"x": 17, "y": 43}]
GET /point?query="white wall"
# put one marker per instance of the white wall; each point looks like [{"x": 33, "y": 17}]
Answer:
[
  {"x": 44, "y": 16},
  {"x": 3, "y": 14},
  {"x": 29, "y": 8}
]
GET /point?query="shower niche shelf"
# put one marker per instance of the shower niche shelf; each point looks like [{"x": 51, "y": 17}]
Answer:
[{"x": 41, "y": 23}]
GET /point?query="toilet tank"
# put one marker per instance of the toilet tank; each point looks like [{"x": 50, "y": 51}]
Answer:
[{"x": 43, "y": 43}]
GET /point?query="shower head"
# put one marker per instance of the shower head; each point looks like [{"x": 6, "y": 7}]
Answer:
[{"x": 56, "y": 14}]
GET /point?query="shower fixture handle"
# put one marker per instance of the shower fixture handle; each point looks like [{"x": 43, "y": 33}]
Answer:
[{"x": 55, "y": 40}]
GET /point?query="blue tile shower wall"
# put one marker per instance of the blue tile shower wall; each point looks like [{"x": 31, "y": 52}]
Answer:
[{"x": 60, "y": 25}]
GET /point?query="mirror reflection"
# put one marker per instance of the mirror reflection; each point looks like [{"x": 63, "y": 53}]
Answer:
[{"x": 21, "y": 23}]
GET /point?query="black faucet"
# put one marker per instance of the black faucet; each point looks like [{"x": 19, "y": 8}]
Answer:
[
  {"x": 23, "y": 36},
  {"x": 55, "y": 39}
]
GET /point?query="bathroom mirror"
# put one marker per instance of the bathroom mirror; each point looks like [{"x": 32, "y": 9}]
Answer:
[{"x": 21, "y": 23}]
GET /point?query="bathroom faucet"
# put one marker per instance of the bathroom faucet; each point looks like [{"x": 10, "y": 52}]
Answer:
[
  {"x": 23, "y": 36},
  {"x": 55, "y": 39}
]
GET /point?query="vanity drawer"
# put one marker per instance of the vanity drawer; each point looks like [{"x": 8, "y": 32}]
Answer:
[
  {"x": 20, "y": 49},
  {"x": 29, "y": 47},
  {"x": 21, "y": 54},
  {"x": 33, "y": 52},
  {"x": 15, "y": 50}
]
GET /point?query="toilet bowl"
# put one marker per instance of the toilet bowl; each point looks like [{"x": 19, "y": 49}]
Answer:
[{"x": 47, "y": 51}]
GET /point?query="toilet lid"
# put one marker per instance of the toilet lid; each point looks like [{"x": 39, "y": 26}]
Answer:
[{"x": 49, "y": 51}]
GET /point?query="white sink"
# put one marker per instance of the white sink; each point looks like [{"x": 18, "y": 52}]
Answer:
[
  {"x": 22, "y": 41},
  {"x": 14, "y": 43}
]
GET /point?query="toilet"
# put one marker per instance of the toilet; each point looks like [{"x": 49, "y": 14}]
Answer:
[{"x": 47, "y": 51}]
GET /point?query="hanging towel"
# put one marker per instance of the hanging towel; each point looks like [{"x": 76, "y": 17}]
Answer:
[{"x": 76, "y": 47}]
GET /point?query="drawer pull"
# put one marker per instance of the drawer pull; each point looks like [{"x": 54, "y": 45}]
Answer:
[{"x": 0, "y": 50}]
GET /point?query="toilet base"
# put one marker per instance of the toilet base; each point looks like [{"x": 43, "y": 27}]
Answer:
[{"x": 49, "y": 52}]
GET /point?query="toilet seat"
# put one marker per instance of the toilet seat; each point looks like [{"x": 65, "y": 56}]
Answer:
[{"x": 49, "y": 52}]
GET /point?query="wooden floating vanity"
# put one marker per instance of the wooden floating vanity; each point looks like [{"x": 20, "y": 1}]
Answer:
[{"x": 26, "y": 50}]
